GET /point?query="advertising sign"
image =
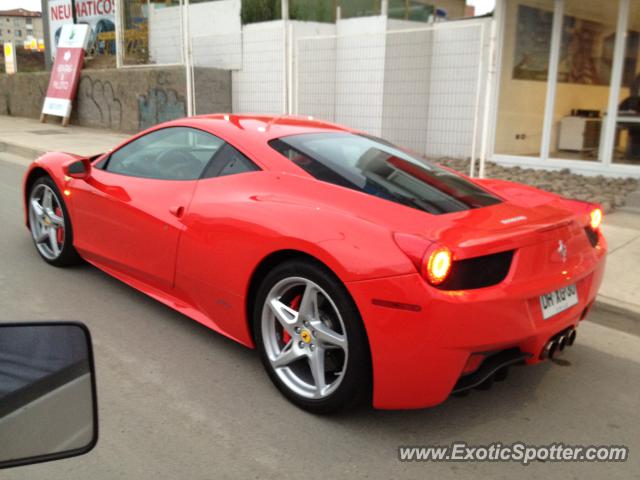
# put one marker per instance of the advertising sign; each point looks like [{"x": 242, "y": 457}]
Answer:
[
  {"x": 98, "y": 14},
  {"x": 60, "y": 13},
  {"x": 66, "y": 71},
  {"x": 9, "y": 58}
]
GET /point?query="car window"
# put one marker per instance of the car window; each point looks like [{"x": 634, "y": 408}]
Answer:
[
  {"x": 175, "y": 153},
  {"x": 380, "y": 169},
  {"x": 229, "y": 161}
]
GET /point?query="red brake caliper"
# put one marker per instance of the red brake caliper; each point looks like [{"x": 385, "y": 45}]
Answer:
[
  {"x": 295, "y": 304},
  {"x": 59, "y": 231}
]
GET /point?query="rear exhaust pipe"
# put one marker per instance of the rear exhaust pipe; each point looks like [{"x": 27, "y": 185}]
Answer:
[
  {"x": 549, "y": 349},
  {"x": 562, "y": 342},
  {"x": 558, "y": 344}
]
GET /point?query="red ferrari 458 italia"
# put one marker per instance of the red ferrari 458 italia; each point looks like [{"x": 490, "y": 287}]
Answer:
[{"x": 360, "y": 272}]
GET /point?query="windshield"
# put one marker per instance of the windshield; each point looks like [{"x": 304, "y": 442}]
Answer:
[{"x": 378, "y": 168}]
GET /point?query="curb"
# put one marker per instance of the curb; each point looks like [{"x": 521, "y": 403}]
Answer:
[
  {"x": 21, "y": 150},
  {"x": 618, "y": 307},
  {"x": 628, "y": 209}
]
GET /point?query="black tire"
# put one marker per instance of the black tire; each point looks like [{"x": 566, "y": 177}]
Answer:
[
  {"x": 355, "y": 388},
  {"x": 68, "y": 255}
]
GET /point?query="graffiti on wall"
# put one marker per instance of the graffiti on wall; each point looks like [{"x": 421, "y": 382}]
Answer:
[
  {"x": 122, "y": 100},
  {"x": 98, "y": 104},
  {"x": 36, "y": 93},
  {"x": 160, "y": 105}
]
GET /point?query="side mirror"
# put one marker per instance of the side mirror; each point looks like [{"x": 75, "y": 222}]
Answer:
[
  {"x": 78, "y": 168},
  {"x": 48, "y": 407}
]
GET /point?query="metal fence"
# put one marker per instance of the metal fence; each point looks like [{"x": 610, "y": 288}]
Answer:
[{"x": 421, "y": 88}]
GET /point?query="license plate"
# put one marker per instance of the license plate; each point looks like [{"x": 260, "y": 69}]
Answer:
[{"x": 558, "y": 301}]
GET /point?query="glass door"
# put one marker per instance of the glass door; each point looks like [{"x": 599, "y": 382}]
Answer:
[
  {"x": 582, "y": 90},
  {"x": 524, "y": 77},
  {"x": 625, "y": 148}
]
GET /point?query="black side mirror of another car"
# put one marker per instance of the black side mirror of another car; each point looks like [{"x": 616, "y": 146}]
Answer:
[{"x": 48, "y": 404}]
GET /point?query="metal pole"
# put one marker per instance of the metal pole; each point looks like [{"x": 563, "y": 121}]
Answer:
[
  {"x": 186, "y": 41},
  {"x": 476, "y": 109},
  {"x": 296, "y": 77},
  {"x": 290, "y": 61},
  {"x": 491, "y": 73},
  {"x": 182, "y": 49},
  {"x": 73, "y": 11}
]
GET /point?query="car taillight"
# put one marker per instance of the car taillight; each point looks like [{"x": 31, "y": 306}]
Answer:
[
  {"x": 437, "y": 264},
  {"x": 596, "y": 218},
  {"x": 432, "y": 260}
]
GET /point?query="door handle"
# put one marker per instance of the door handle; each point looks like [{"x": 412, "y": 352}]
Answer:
[{"x": 177, "y": 211}]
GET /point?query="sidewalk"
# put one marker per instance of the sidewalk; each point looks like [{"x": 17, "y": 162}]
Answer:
[
  {"x": 28, "y": 138},
  {"x": 621, "y": 286}
]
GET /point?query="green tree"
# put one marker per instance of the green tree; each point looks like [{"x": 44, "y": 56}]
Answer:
[{"x": 253, "y": 11}]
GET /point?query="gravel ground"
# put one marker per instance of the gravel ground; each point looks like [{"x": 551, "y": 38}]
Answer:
[{"x": 611, "y": 193}]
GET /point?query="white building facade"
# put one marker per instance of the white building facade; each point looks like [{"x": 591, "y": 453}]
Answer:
[{"x": 567, "y": 85}]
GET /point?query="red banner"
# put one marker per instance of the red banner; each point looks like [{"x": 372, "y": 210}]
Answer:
[{"x": 65, "y": 74}]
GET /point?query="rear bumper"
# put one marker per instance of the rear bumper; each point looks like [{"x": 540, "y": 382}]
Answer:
[{"x": 418, "y": 356}]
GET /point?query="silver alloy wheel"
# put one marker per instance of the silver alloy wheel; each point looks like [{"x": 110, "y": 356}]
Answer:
[
  {"x": 46, "y": 221},
  {"x": 299, "y": 342}
]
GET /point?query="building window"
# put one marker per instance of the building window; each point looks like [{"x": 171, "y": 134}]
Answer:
[
  {"x": 18, "y": 33},
  {"x": 523, "y": 85},
  {"x": 584, "y": 78}
]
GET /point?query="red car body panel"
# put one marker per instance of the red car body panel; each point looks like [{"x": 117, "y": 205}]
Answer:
[{"x": 195, "y": 245}]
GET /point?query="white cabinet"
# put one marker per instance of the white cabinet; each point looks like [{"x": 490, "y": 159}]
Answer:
[{"x": 578, "y": 134}]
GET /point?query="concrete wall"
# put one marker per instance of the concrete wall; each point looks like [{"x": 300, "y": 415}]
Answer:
[{"x": 127, "y": 100}]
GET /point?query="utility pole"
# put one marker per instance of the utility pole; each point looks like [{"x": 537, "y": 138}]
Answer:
[{"x": 44, "y": 4}]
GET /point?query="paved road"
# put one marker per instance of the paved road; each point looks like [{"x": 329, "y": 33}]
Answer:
[{"x": 179, "y": 401}]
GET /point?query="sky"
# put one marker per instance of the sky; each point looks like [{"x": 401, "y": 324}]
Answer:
[
  {"x": 482, "y": 6},
  {"x": 33, "y": 5}
]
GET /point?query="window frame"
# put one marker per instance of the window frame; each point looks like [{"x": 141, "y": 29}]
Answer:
[
  {"x": 102, "y": 162},
  {"x": 205, "y": 176}
]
